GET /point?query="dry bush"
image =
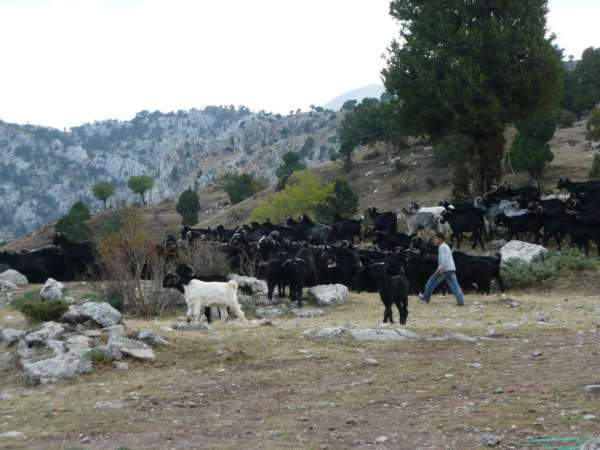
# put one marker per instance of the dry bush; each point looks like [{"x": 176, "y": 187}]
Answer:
[
  {"x": 207, "y": 258},
  {"x": 130, "y": 269}
]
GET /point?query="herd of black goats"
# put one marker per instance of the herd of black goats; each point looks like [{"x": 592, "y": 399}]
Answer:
[{"x": 305, "y": 253}]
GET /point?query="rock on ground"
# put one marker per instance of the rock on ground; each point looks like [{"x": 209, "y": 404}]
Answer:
[
  {"x": 14, "y": 277},
  {"x": 52, "y": 290},
  {"x": 130, "y": 347},
  {"x": 7, "y": 285},
  {"x": 250, "y": 285},
  {"x": 490, "y": 440},
  {"x": 194, "y": 326},
  {"x": 328, "y": 295},
  {"x": 307, "y": 313},
  {"x": 9, "y": 336},
  {"x": 12, "y": 435},
  {"x": 101, "y": 313},
  {"x": 48, "y": 330},
  {"x": 592, "y": 389},
  {"x": 153, "y": 339},
  {"x": 56, "y": 369},
  {"x": 522, "y": 251},
  {"x": 330, "y": 333},
  {"x": 268, "y": 312},
  {"x": 378, "y": 334},
  {"x": 594, "y": 444}
]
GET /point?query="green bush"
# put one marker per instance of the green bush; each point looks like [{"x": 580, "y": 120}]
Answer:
[
  {"x": 74, "y": 225},
  {"x": 594, "y": 172},
  {"x": 567, "y": 118},
  {"x": 99, "y": 357},
  {"x": 517, "y": 274},
  {"x": 188, "y": 207},
  {"x": 241, "y": 186},
  {"x": 43, "y": 310}
]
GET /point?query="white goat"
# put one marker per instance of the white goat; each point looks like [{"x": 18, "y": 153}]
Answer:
[{"x": 200, "y": 294}]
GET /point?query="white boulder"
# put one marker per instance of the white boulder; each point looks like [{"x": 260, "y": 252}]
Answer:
[
  {"x": 52, "y": 290},
  {"x": 101, "y": 313},
  {"x": 250, "y": 285},
  {"x": 130, "y": 347},
  {"x": 523, "y": 252},
  {"x": 328, "y": 295},
  {"x": 14, "y": 277}
]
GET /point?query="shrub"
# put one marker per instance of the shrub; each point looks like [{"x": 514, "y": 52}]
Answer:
[
  {"x": 207, "y": 259},
  {"x": 130, "y": 269},
  {"x": 292, "y": 162},
  {"x": 37, "y": 310},
  {"x": 372, "y": 155},
  {"x": 302, "y": 194},
  {"x": 594, "y": 172},
  {"x": 593, "y": 127},
  {"x": 343, "y": 201},
  {"x": 99, "y": 357},
  {"x": 114, "y": 221},
  {"x": 567, "y": 118},
  {"x": 74, "y": 225},
  {"x": 518, "y": 274},
  {"x": 239, "y": 187},
  {"x": 188, "y": 207}
]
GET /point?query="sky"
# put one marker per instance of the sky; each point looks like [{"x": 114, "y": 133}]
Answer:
[{"x": 67, "y": 62}]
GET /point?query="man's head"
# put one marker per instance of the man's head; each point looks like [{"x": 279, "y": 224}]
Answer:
[{"x": 439, "y": 239}]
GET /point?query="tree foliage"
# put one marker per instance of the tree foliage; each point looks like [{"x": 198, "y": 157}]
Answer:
[
  {"x": 471, "y": 68},
  {"x": 586, "y": 81},
  {"x": 188, "y": 207},
  {"x": 370, "y": 121},
  {"x": 140, "y": 185},
  {"x": 594, "y": 173},
  {"x": 303, "y": 194},
  {"x": 593, "y": 127},
  {"x": 241, "y": 186},
  {"x": 530, "y": 150},
  {"x": 74, "y": 225},
  {"x": 342, "y": 201},
  {"x": 292, "y": 162},
  {"x": 103, "y": 190}
]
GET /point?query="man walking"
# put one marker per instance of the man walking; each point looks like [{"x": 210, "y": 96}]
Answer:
[{"x": 446, "y": 271}]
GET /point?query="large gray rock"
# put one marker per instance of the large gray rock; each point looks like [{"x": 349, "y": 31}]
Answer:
[
  {"x": 48, "y": 330},
  {"x": 523, "y": 252},
  {"x": 195, "y": 326},
  {"x": 250, "y": 285},
  {"x": 55, "y": 369},
  {"x": 153, "y": 339},
  {"x": 52, "y": 290},
  {"x": 73, "y": 315},
  {"x": 114, "y": 330},
  {"x": 9, "y": 336},
  {"x": 331, "y": 333},
  {"x": 14, "y": 277},
  {"x": 130, "y": 347},
  {"x": 6, "y": 285},
  {"x": 328, "y": 295},
  {"x": 101, "y": 313}
]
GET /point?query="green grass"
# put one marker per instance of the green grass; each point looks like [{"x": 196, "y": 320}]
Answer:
[{"x": 37, "y": 310}]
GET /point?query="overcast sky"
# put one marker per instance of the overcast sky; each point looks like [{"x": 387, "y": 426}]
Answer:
[{"x": 66, "y": 62}]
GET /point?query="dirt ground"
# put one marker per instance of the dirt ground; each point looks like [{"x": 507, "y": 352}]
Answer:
[{"x": 269, "y": 386}]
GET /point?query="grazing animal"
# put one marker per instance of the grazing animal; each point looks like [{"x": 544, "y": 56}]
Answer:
[
  {"x": 393, "y": 290},
  {"x": 200, "y": 294},
  {"x": 385, "y": 221}
]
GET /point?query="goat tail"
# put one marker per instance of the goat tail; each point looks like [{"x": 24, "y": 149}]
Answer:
[{"x": 233, "y": 285}]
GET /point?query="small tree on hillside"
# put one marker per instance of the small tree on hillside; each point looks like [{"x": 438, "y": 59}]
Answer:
[
  {"x": 74, "y": 225},
  {"x": 530, "y": 150},
  {"x": 239, "y": 187},
  {"x": 188, "y": 207},
  {"x": 303, "y": 194},
  {"x": 140, "y": 185},
  {"x": 292, "y": 162},
  {"x": 103, "y": 190},
  {"x": 593, "y": 127},
  {"x": 342, "y": 202}
]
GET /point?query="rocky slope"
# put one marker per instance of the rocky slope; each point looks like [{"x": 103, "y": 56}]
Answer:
[{"x": 43, "y": 171}]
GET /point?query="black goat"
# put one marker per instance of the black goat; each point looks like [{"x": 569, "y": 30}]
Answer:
[{"x": 393, "y": 289}]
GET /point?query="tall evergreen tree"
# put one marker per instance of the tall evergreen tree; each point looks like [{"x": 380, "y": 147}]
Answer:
[
  {"x": 188, "y": 207},
  {"x": 471, "y": 68},
  {"x": 74, "y": 225}
]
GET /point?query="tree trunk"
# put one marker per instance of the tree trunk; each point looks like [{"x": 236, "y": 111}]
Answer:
[{"x": 486, "y": 162}]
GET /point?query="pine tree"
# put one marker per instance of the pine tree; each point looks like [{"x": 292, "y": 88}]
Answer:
[{"x": 188, "y": 207}]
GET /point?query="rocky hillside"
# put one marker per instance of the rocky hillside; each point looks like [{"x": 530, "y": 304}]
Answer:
[{"x": 43, "y": 171}]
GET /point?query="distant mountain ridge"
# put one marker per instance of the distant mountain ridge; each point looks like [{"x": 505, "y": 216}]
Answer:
[
  {"x": 371, "y": 91},
  {"x": 43, "y": 171}
]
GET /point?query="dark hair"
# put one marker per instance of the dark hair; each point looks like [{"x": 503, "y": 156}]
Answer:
[{"x": 441, "y": 236}]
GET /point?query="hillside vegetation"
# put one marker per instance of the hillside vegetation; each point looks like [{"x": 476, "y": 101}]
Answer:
[{"x": 376, "y": 182}]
